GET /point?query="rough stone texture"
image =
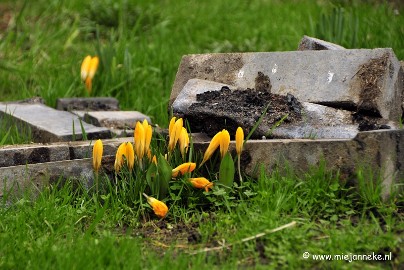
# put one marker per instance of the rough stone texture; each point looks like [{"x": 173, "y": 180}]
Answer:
[
  {"x": 402, "y": 104},
  {"x": 310, "y": 43},
  {"x": 322, "y": 122},
  {"x": 365, "y": 79},
  {"x": 29, "y": 154},
  {"x": 50, "y": 125},
  {"x": 88, "y": 104},
  {"x": 36, "y": 176},
  {"x": 14, "y": 155},
  {"x": 115, "y": 119},
  {"x": 383, "y": 151},
  {"x": 187, "y": 96}
]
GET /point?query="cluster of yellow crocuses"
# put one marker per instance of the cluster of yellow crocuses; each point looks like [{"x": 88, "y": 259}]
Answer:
[{"x": 128, "y": 154}]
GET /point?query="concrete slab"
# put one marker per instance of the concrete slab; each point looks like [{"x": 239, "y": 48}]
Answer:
[
  {"x": 367, "y": 79},
  {"x": 383, "y": 151},
  {"x": 36, "y": 176},
  {"x": 311, "y": 43},
  {"x": 14, "y": 155},
  {"x": 115, "y": 119},
  {"x": 50, "y": 125},
  {"x": 88, "y": 104}
]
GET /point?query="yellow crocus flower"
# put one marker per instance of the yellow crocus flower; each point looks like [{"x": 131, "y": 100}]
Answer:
[
  {"x": 89, "y": 67},
  {"x": 159, "y": 208},
  {"x": 174, "y": 133},
  {"x": 213, "y": 145},
  {"x": 130, "y": 155},
  {"x": 224, "y": 142},
  {"x": 201, "y": 182},
  {"x": 139, "y": 140},
  {"x": 183, "y": 169},
  {"x": 239, "y": 140},
  {"x": 148, "y": 135},
  {"x": 119, "y": 157},
  {"x": 184, "y": 141},
  {"x": 97, "y": 155}
]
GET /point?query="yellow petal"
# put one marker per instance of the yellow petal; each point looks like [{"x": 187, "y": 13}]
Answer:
[
  {"x": 171, "y": 126},
  {"x": 89, "y": 85},
  {"x": 130, "y": 155},
  {"x": 201, "y": 182},
  {"x": 119, "y": 157},
  {"x": 93, "y": 66},
  {"x": 224, "y": 142},
  {"x": 175, "y": 134},
  {"x": 183, "y": 169},
  {"x": 239, "y": 140},
  {"x": 184, "y": 141},
  {"x": 213, "y": 145},
  {"x": 139, "y": 140},
  {"x": 97, "y": 155},
  {"x": 159, "y": 208},
  {"x": 148, "y": 135},
  {"x": 85, "y": 65}
]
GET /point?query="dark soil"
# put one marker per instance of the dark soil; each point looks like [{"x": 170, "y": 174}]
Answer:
[
  {"x": 227, "y": 109},
  {"x": 371, "y": 75},
  {"x": 366, "y": 122}
]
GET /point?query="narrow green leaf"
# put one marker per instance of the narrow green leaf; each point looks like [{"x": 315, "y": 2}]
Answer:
[
  {"x": 164, "y": 176},
  {"x": 227, "y": 170},
  {"x": 152, "y": 183},
  {"x": 83, "y": 131},
  {"x": 3, "y": 141}
]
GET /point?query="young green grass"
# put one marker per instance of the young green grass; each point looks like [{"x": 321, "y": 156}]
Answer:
[
  {"x": 65, "y": 227},
  {"x": 140, "y": 44}
]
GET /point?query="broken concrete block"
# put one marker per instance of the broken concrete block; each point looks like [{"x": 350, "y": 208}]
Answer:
[
  {"x": 383, "y": 151},
  {"x": 191, "y": 89},
  {"x": 362, "y": 79},
  {"x": 36, "y": 176},
  {"x": 115, "y": 119},
  {"x": 12, "y": 155},
  {"x": 88, "y": 104},
  {"x": 310, "y": 43},
  {"x": 50, "y": 125}
]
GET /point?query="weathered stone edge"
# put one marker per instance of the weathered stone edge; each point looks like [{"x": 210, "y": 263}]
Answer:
[{"x": 383, "y": 151}]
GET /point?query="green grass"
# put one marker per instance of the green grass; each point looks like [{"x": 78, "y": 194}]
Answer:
[
  {"x": 140, "y": 44},
  {"x": 67, "y": 228}
]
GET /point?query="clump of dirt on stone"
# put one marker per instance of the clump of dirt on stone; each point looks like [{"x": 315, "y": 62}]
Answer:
[
  {"x": 227, "y": 109},
  {"x": 371, "y": 75}
]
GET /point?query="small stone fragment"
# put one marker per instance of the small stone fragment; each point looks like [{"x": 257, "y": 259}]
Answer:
[{"x": 310, "y": 43}]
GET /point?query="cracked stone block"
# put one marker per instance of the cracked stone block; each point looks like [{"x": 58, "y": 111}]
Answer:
[
  {"x": 115, "y": 119},
  {"x": 12, "y": 155},
  {"x": 50, "y": 125},
  {"x": 383, "y": 151},
  {"x": 369, "y": 80},
  {"x": 310, "y": 43},
  {"x": 88, "y": 104}
]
